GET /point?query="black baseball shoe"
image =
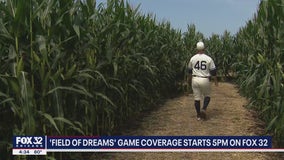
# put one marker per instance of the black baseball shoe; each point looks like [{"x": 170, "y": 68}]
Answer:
[
  {"x": 203, "y": 114},
  {"x": 198, "y": 117}
]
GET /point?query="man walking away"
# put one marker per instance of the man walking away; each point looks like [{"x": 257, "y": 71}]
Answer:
[{"x": 200, "y": 68}]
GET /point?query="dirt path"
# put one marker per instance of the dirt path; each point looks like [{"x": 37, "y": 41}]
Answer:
[{"x": 226, "y": 116}]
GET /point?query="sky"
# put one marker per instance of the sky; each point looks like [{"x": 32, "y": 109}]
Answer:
[{"x": 209, "y": 16}]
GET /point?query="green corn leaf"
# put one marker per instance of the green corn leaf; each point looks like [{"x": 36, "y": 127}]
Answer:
[
  {"x": 50, "y": 120},
  {"x": 70, "y": 72},
  {"x": 272, "y": 123},
  {"x": 71, "y": 125},
  {"x": 77, "y": 30},
  {"x": 71, "y": 89},
  {"x": 104, "y": 97}
]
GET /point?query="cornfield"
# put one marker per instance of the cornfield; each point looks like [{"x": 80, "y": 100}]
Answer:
[
  {"x": 260, "y": 60},
  {"x": 255, "y": 58},
  {"x": 73, "y": 67},
  {"x": 80, "y": 68}
]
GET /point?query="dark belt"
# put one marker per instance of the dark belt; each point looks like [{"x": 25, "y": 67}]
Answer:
[{"x": 199, "y": 76}]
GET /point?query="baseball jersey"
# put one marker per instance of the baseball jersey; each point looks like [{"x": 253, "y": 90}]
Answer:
[{"x": 201, "y": 65}]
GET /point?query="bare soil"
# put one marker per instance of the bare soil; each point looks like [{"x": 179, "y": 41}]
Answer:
[{"x": 226, "y": 114}]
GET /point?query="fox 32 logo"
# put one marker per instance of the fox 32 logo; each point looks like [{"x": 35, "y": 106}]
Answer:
[{"x": 29, "y": 142}]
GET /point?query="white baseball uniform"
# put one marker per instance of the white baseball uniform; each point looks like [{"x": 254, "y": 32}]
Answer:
[{"x": 200, "y": 65}]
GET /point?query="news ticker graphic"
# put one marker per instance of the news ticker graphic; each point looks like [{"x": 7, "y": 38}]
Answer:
[{"x": 40, "y": 145}]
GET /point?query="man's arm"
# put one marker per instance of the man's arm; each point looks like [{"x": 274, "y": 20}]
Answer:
[
  {"x": 215, "y": 80},
  {"x": 189, "y": 77},
  {"x": 213, "y": 73}
]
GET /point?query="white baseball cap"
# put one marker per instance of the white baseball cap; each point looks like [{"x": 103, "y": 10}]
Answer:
[{"x": 200, "y": 46}]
